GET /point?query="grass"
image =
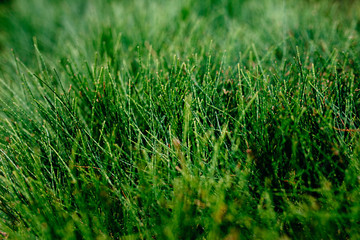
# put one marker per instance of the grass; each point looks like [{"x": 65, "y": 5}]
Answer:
[{"x": 216, "y": 119}]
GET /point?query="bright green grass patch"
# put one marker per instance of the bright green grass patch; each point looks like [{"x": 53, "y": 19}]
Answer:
[{"x": 179, "y": 120}]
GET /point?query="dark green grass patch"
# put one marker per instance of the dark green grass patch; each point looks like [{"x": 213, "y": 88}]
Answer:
[{"x": 212, "y": 120}]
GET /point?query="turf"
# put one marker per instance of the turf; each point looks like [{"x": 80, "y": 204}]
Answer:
[{"x": 214, "y": 119}]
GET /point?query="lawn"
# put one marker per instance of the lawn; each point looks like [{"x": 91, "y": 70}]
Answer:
[{"x": 213, "y": 119}]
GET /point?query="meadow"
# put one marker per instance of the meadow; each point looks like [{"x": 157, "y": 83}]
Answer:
[{"x": 213, "y": 119}]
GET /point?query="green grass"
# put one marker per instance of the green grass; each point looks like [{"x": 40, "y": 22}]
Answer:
[{"x": 214, "y": 119}]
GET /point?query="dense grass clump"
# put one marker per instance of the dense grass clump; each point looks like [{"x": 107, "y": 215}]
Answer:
[{"x": 160, "y": 119}]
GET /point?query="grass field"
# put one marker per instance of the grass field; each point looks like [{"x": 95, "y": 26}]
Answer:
[{"x": 213, "y": 119}]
